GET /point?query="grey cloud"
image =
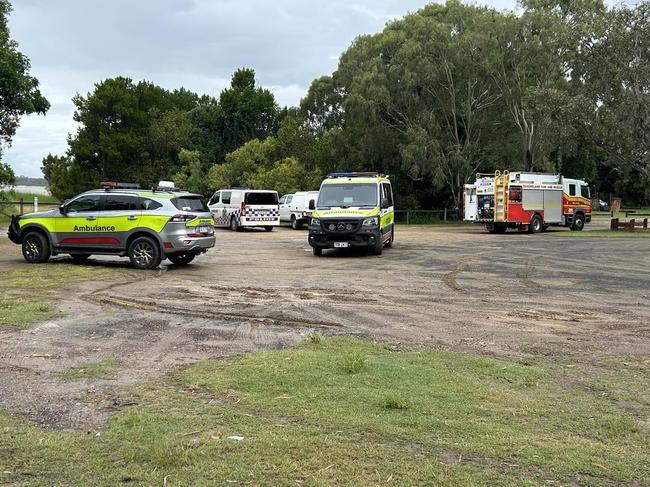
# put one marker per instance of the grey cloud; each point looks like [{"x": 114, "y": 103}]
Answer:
[{"x": 192, "y": 43}]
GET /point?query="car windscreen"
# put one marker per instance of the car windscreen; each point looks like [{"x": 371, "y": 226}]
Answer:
[
  {"x": 348, "y": 194},
  {"x": 261, "y": 199},
  {"x": 190, "y": 203}
]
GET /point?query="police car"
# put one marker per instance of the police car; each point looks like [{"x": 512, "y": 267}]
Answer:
[
  {"x": 146, "y": 226},
  {"x": 353, "y": 210}
]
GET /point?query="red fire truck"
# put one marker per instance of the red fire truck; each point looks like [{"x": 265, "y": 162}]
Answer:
[{"x": 527, "y": 201}]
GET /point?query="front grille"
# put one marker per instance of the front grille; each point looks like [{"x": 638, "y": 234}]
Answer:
[{"x": 340, "y": 226}]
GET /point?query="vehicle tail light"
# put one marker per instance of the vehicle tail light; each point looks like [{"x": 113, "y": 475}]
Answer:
[
  {"x": 243, "y": 208},
  {"x": 182, "y": 218}
]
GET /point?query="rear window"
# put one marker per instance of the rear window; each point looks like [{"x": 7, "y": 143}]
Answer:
[
  {"x": 190, "y": 203},
  {"x": 261, "y": 198},
  {"x": 149, "y": 204}
]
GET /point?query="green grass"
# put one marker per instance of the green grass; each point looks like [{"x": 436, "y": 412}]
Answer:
[
  {"x": 29, "y": 197},
  {"x": 104, "y": 369},
  {"x": 418, "y": 417},
  {"x": 26, "y": 292},
  {"x": 46, "y": 202},
  {"x": 354, "y": 362},
  {"x": 620, "y": 214},
  {"x": 601, "y": 233}
]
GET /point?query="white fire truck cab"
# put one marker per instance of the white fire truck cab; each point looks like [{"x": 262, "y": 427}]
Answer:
[{"x": 527, "y": 201}]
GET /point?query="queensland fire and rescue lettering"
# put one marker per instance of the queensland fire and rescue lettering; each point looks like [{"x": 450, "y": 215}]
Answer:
[{"x": 93, "y": 228}]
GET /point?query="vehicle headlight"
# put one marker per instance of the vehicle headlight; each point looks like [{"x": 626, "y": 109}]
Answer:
[
  {"x": 371, "y": 222},
  {"x": 315, "y": 222}
]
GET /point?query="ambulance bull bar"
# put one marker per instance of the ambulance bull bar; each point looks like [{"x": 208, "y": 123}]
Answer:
[{"x": 14, "y": 230}]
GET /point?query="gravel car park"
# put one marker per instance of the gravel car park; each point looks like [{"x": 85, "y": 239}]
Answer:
[{"x": 454, "y": 286}]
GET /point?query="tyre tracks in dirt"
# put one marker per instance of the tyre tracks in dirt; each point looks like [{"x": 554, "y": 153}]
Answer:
[{"x": 452, "y": 287}]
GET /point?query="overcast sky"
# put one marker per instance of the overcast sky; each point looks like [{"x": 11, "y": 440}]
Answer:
[{"x": 73, "y": 44}]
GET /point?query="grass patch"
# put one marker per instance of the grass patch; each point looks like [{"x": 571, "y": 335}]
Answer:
[
  {"x": 314, "y": 337},
  {"x": 29, "y": 197},
  {"x": 621, "y": 214},
  {"x": 45, "y": 202},
  {"x": 304, "y": 420},
  {"x": 353, "y": 362},
  {"x": 391, "y": 401},
  {"x": 26, "y": 292},
  {"x": 104, "y": 369},
  {"x": 601, "y": 233}
]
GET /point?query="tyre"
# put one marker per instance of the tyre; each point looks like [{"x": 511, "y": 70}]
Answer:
[
  {"x": 379, "y": 247},
  {"x": 316, "y": 251},
  {"x": 294, "y": 223},
  {"x": 234, "y": 226},
  {"x": 181, "y": 259},
  {"x": 390, "y": 241},
  {"x": 578, "y": 223},
  {"x": 144, "y": 253},
  {"x": 36, "y": 248},
  {"x": 268, "y": 229},
  {"x": 536, "y": 224},
  {"x": 80, "y": 258}
]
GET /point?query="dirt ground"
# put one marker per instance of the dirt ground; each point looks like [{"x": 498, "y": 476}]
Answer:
[{"x": 452, "y": 286}]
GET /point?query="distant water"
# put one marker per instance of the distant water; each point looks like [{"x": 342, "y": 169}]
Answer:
[{"x": 22, "y": 188}]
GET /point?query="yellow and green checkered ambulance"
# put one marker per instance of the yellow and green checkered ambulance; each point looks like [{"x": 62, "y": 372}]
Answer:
[{"x": 353, "y": 210}]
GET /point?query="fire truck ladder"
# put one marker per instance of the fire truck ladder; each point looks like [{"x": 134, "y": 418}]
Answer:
[{"x": 500, "y": 196}]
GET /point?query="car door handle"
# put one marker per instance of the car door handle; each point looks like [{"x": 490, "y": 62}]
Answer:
[
  {"x": 91, "y": 218},
  {"x": 132, "y": 217}
]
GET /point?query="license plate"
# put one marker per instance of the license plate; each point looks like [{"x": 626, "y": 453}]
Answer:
[
  {"x": 204, "y": 229},
  {"x": 341, "y": 245}
]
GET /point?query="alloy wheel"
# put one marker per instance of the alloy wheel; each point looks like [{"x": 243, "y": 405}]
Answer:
[
  {"x": 143, "y": 253},
  {"x": 33, "y": 248}
]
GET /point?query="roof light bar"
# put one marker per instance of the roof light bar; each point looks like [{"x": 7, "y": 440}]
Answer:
[
  {"x": 371, "y": 174},
  {"x": 116, "y": 185}
]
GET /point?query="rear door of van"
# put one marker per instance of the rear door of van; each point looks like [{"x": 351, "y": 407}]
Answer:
[{"x": 260, "y": 208}]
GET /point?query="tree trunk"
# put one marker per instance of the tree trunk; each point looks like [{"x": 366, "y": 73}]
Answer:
[{"x": 529, "y": 160}]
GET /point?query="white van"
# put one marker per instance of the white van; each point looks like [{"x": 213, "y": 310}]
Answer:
[
  {"x": 237, "y": 208},
  {"x": 294, "y": 208}
]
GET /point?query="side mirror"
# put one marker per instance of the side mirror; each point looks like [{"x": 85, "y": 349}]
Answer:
[
  {"x": 62, "y": 209},
  {"x": 385, "y": 203},
  {"x": 312, "y": 205}
]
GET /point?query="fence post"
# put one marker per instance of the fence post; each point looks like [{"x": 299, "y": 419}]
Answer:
[
  {"x": 22, "y": 203},
  {"x": 632, "y": 224},
  {"x": 408, "y": 216},
  {"x": 645, "y": 223},
  {"x": 613, "y": 224},
  {"x": 445, "y": 214},
  {"x": 35, "y": 204}
]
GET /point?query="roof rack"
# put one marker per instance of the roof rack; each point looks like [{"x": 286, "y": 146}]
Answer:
[
  {"x": 367, "y": 174},
  {"x": 108, "y": 185}
]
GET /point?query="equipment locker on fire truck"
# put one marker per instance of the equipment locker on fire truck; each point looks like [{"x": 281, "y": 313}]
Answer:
[{"x": 527, "y": 200}]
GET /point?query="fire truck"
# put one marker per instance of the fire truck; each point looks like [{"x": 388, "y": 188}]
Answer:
[{"x": 527, "y": 201}]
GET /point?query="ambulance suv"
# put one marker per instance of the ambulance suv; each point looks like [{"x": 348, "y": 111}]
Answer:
[
  {"x": 238, "y": 208},
  {"x": 353, "y": 210},
  {"x": 146, "y": 226}
]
